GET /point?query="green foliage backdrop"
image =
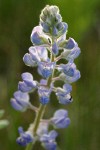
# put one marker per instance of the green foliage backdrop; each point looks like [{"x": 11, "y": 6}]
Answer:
[{"x": 17, "y": 18}]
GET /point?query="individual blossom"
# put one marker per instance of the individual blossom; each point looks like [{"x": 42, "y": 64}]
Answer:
[
  {"x": 44, "y": 94},
  {"x": 62, "y": 28},
  {"x": 73, "y": 54},
  {"x": 60, "y": 119},
  {"x": 48, "y": 140},
  {"x": 50, "y": 145},
  {"x": 46, "y": 68},
  {"x": 43, "y": 82},
  {"x": 55, "y": 48},
  {"x": 71, "y": 49},
  {"x": 38, "y": 37},
  {"x": 28, "y": 60},
  {"x": 68, "y": 44},
  {"x": 28, "y": 84},
  {"x": 67, "y": 88},
  {"x": 36, "y": 54},
  {"x": 69, "y": 68},
  {"x": 69, "y": 79},
  {"x": 20, "y": 101},
  {"x": 63, "y": 94},
  {"x": 25, "y": 137},
  {"x": 69, "y": 72},
  {"x": 65, "y": 99}
]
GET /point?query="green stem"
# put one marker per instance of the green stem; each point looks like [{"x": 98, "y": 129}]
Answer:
[
  {"x": 29, "y": 146},
  {"x": 38, "y": 117}
]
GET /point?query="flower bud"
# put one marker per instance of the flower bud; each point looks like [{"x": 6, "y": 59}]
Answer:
[
  {"x": 28, "y": 60},
  {"x": 48, "y": 140},
  {"x": 51, "y": 21},
  {"x": 20, "y": 101},
  {"x": 55, "y": 48},
  {"x": 25, "y": 137},
  {"x": 38, "y": 38},
  {"x": 28, "y": 83}
]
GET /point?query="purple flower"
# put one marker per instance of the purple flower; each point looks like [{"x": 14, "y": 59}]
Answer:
[
  {"x": 69, "y": 79},
  {"x": 38, "y": 53},
  {"x": 45, "y": 26},
  {"x": 25, "y": 137},
  {"x": 60, "y": 26},
  {"x": 44, "y": 94},
  {"x": 54, "y": 31},
  {"x": 49, "y": 136},
  {"x": 48, "y": 39},
  {"x": 20, "y": 101},
  {"x": 48, "y": 140},
  {"x": 70, "y": 73},
  {"x": 71, "y": 49},
  {"x": 50, "y": 145},
  {"x": 64, "y": 29},
  {"x": 43, "y": 82},
  {"x": 60, "y": 119},
  {"x": 46, "y": 68},
  {"x": 67, "y": 88},
  {"x": 65, "y": 99},
  {"x": 28, "y": 83},
  {"x": 60, "y": 30},
  {"x": 28, "y": 60},
  {"x": 74, "y": 53},
  {"x": 55, "y": 48},
  {"x": 70, "y": 44},
  {"x": 69, "y": 69},
  {"x": 38, "y": 37},
  {"x": 63, "y": 95}
]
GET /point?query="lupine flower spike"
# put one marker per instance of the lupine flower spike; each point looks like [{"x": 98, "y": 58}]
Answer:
[{"x": 49, "y": 45}]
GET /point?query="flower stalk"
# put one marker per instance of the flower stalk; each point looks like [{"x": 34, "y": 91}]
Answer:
[
  {"x": 39, "y": 116},
  {"x": 48, "y": 39}
]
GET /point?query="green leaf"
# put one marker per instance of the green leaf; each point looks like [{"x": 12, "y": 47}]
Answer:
[
  {"x": 1, "y": 112},
  {"x": 3, "y": 123}
]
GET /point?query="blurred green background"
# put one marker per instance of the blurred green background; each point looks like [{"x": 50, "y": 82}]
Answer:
[{"x": 17, "y": 18}]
